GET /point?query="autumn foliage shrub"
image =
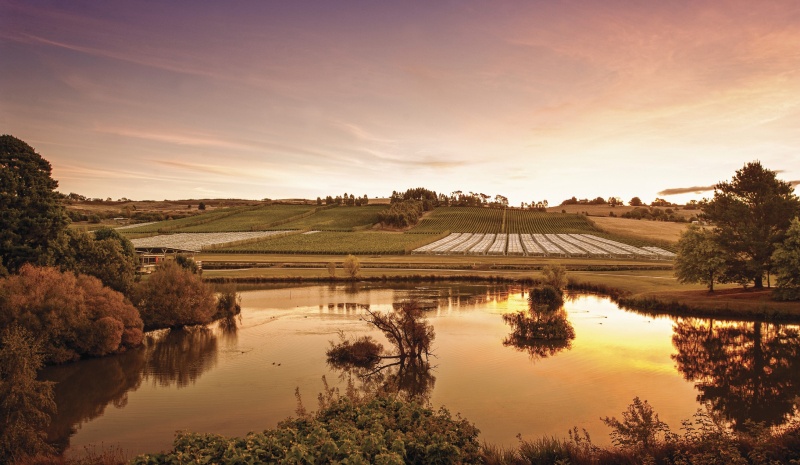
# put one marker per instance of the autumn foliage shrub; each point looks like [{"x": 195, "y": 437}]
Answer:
[
  {"x": 74, "y": 315},
  {"x": 174, "y": 297}
]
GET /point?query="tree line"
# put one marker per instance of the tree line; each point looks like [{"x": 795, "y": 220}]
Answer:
[{"x": 347, "y": 200}]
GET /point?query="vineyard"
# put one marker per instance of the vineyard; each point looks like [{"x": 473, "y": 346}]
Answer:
[
  {"x": 252, "y": 220},
  {"x": 550, "y": 245},
  {"x": 446, "y": 230},
  {"x": 338, "y": 219},
  {"x": 182, "y": 223},
  {"x": 494, "y": 220},
  {"x": 270, "y": 217},
  {"x": 195, "y": 242},
  {"x": 359, "y": 243},
  {"x": 462, "y": 219}
]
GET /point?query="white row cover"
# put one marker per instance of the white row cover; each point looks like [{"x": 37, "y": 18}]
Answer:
[{"x": 558, "y": 245}]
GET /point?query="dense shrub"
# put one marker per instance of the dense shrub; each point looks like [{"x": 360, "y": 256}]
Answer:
[
  {"x": 362, "y": 352},
  {"x": 383, "y": 430},
  {"x": 73, "y": 315},
  {"x": 174, "y": 297},
  {"x": 402, "y": 214}
]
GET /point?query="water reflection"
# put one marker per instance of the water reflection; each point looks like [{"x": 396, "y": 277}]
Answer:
[
  {"x": 179, "y": 357},
  {"x": 744, "y": 370},
  {"x": 410, "y": 380},
  {"x": 542, "y": 331},
  {"x": 405, "y": 367},
  {"x": 84, "y": 389}
]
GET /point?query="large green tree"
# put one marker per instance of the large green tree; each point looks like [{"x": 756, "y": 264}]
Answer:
[
  {"x": 751, "y": 215},
  {"x": 104, "y": 254},
  {"x": 31, "y": 214},
  {"x": 700, "y": 259}
]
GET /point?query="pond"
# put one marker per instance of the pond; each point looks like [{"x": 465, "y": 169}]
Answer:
[{"x": 234, "y": 380}]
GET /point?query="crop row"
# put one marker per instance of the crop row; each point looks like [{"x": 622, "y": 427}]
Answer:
[
  {"x": 462, "y": 219},
  {"x": 495, "y": 221},
  {"x": 561, "y": 245},
  {"x": 327, "y": 242},
  {"x": 187, "y": 222},
  {"x": 195, "y": 242},
  {"x": 269, "y": 217}
]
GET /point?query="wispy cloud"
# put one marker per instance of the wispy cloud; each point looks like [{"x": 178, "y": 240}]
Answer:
[
  {"x": 178, "y": 138},
  {"x": 686, "y": 190},
  {"x": 206, "y": 168}
]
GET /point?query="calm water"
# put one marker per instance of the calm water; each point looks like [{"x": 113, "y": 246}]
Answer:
[{"x": 234, "y": 381}]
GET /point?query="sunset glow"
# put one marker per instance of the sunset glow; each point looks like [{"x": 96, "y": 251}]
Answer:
[{"x": 533, "y": 100}]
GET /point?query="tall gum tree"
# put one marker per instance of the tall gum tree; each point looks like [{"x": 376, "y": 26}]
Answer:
[
  {"x": 31, "y": 214},
  {"x": 751, "y": 215}
]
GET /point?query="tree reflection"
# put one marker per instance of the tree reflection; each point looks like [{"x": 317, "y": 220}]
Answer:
[
  {"x": 744, "y": 370},
  {"x": 180, "y": 356},
  {"x": 84, "y": 389},
  {"x": 542, "y": 331}
]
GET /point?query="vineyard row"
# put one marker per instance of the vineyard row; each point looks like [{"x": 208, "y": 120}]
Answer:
[{"x": 543, "y": 245}]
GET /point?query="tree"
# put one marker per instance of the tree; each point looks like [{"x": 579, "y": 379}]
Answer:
[
  {"x": 174, "y": 297},
  {"x": 352, "y": 266},
  {"x": 636, "y": 202},
  {"x": 699, "y": 258},
  {"x": 751, "y": 215},
  {"x": 105, "y": 254},
  {"x": 73, "y": 315},
  {"x": 31, "y": 214},
  {"x": 406, "y": 330},
  {"x": 26, "y": 404},
  {"x": 786, "y": 262},
  {"x": 331, "y": 270},
  {"x": 556, "y": 276}
]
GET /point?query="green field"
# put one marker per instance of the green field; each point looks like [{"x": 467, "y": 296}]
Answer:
[
  {"x": 337, "y": 219},
  {"x": 461, "y": 219},
  {"x": 270, "y": 217},
  {"x": 262, "y": 218},
  {"x": 360, "y": 243},
  {"x": 181, "y": 224},
  {"x": 533, "y": 222}
]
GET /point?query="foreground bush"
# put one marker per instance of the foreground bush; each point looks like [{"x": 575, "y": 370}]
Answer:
[
  {"x": 73, "y": 315},
  {"x": 382, "y": 430}
]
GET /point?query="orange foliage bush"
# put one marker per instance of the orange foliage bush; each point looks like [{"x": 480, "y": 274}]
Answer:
[
  {"x": 73, "y": 315},
  {"x": 174, "y": 297}
]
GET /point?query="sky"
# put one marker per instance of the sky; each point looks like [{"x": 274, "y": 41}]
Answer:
[{"x": 534, "y": 100}]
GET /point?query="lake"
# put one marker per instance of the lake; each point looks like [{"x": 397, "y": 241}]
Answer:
[{"x": 234, "y": 380}]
